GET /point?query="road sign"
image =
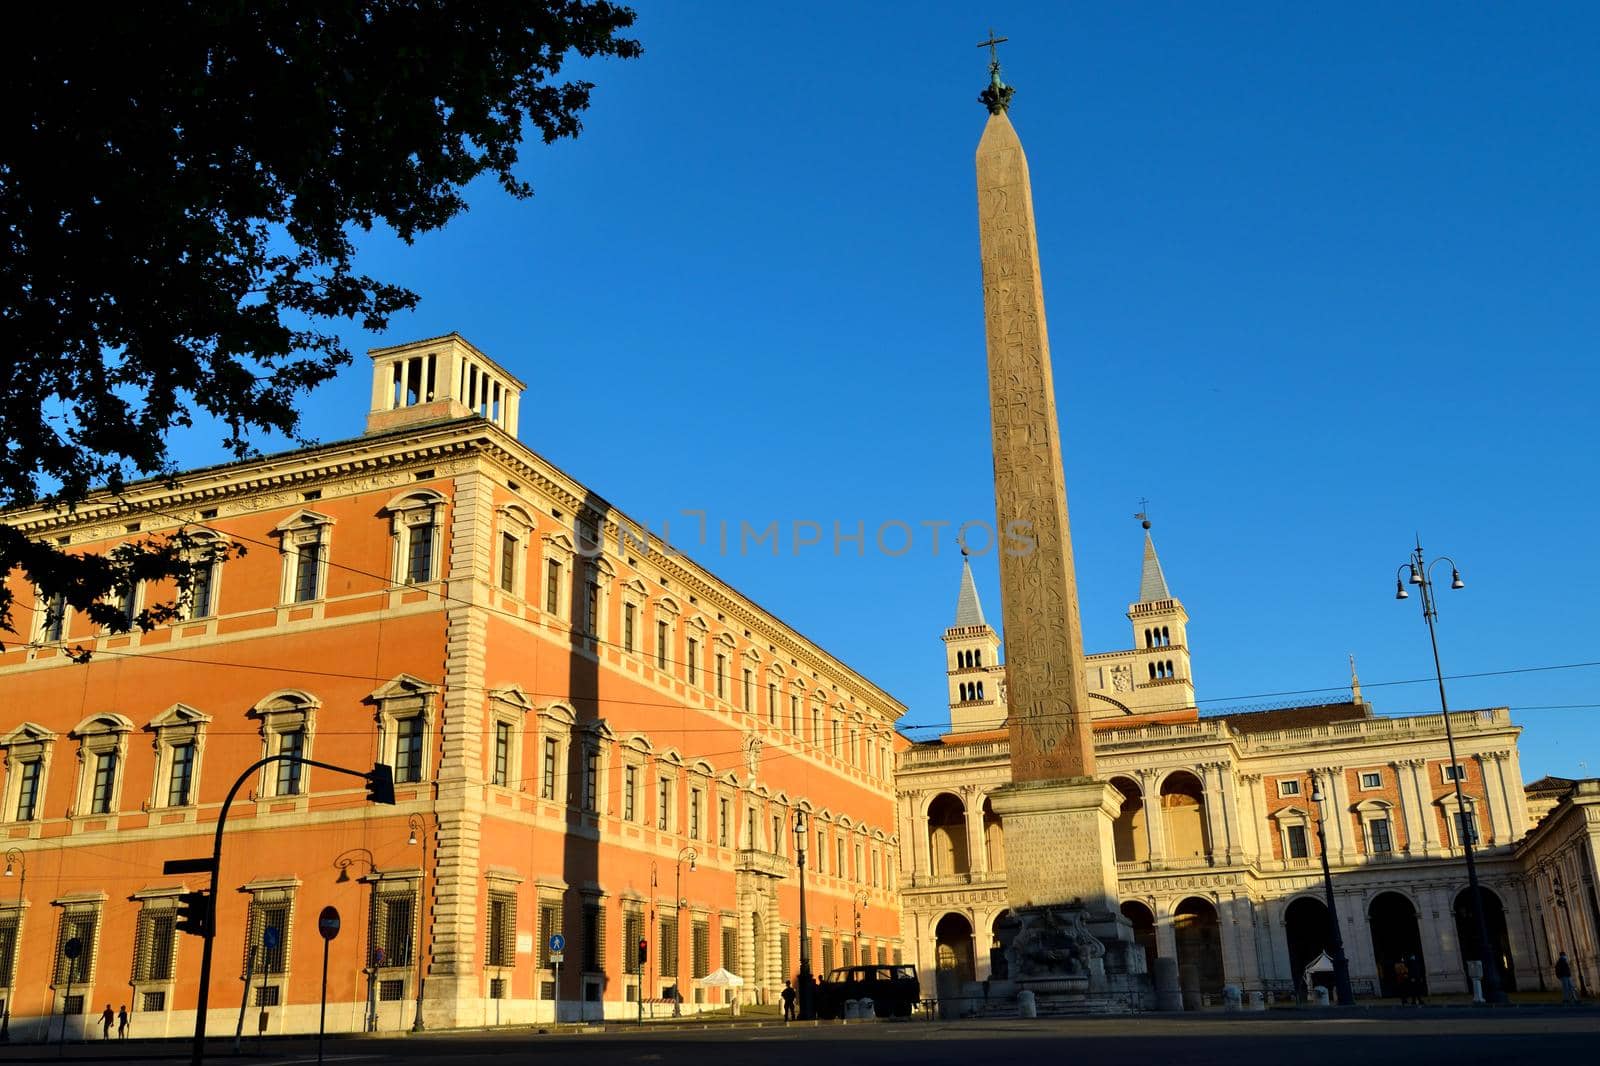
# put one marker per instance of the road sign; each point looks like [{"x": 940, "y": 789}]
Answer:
[
  {"x": 72, "y": 948},
  {"x": 189, "y": 866},
  {"x": 557, "y": 958},
  {"x": 328, "y": 923},
  {"x": 558, "y": 943},
  {"x": 270, "y": 937}
]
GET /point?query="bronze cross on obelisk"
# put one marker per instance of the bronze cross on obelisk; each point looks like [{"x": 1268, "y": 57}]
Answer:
[{"x": 994, "y": 54}]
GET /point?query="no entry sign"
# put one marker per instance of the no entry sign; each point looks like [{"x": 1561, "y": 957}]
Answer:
[{"x": 328, "y": 923}]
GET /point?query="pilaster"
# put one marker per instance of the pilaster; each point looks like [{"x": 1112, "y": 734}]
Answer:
[
  {"x": 1339, "y": 806},
  {"x": 1155, "y": 826},
  {"x": 1418, "y": 838},
  {"x": 977, "y": 854}
]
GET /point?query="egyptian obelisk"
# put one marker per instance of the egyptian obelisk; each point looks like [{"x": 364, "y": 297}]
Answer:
[{"x": 1057, "y": 815}]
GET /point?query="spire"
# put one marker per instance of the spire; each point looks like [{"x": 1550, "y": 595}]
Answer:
[
  {"x": 1355, "y": 682},
  {"x": 1152, "y": 582},
  {"x": 969, "y": 612}
]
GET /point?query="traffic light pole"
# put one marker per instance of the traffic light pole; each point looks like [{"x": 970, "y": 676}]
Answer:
[{"x": 380, "y": 789}]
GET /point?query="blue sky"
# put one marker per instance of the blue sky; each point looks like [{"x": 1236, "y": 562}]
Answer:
[{"x": 1319, "y": 278}]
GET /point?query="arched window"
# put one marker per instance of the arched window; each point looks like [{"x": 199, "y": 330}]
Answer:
[
  {"x": 1152, "y": 671},
  {"x": 977, "y": 657},
  {"x": 1170, "y": 671},
  {"x": 1166, "y": 637},
  {"x": 1147, "y": 639},
  {"x": 980, "y": 690}
]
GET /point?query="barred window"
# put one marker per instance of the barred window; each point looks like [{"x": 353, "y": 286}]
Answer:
[
  {"x": 500, "y": 932},
  {"x": 79, "y": 923},
  {"x": 827, "y": 954},
  {"x": 784, "y": 970},
  {"x": 632, "y": 933},
  {"x": 899, "y": 956},
  {"x": 700, "y": 948},
  {"x": 269, "y": 909},
  {"x": 392, "y": 923},
  {"x": 549, "y": 925},
  {"x": 266, "y": 995},
  {"x": 155, "y": 1002},
  {"x": 8, "y": 948},
  {"x": 392, "y": 990},
  {"x": 730, "y": 947},
  {"x": 849, "y": 952},
  {"x": 594, "y": 938},
  {"x": 155, "y": 940},
  {"x": 667, "y": 947}
]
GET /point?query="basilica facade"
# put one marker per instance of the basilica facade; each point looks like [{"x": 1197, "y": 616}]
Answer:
[{"x": 1220, "y": 836}]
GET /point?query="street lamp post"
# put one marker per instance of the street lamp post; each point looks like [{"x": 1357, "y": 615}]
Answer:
[
  {"x": 1341, "y": 965},
  {"x": 677, "y": 933},
  {"x": 807, "y": 1004},
  {"x": 419, "y": 836},
  {"x": 13, "y": 858},
  {"x": 1418, "y": 572},
  {"x": 855, "y": 919},
  {"x": 1558, "y": 891},
  {"x": 343, "y": 862}
]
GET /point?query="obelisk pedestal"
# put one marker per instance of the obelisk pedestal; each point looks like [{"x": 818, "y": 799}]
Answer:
[{"x": 1067, "y": 942}]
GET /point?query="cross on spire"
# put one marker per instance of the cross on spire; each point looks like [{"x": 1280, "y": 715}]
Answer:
[
  {"x": 997, "y": 97},
  {"x": 990, "y": 44}
]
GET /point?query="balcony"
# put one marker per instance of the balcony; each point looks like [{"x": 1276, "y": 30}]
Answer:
[{"x": 765, "y": 863}]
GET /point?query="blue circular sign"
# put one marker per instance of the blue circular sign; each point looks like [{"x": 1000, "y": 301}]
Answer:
[{"x": 558, "y": 942}]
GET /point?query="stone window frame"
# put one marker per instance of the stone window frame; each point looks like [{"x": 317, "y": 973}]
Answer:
[
  {"x": 635, "y": 755},
  {"x": 506, "y": 885},
  {"x": 1289, "y": 787},
  {"x": 696, "y": 643},
  {"x": 725, "y": 790},
  {"x": 74, "y": 907},
  {"x": 408, "y": 512},
  {"x": 97, "y": 735},
  {"x": 775, "y": 680},
  {"x": 265, "y": 893},
  {"x": 780, "y": 825},
  {"x": 285, "y": 711},
  {"x": 750, "y": 672},
  {"x": 1372, "y": 810},
  {"x": 1361, "y": 780},
  {"x": 599, "y": 574},
  {"x": 301, "y": 529},
  {"x": 1450, "y": 809},
  {"x": 508, "y": 706},
  {"x": 592, "y": 896},
  {"x": 42, "y": 617},
  {"x": 557, "y": 721},
  {"x": 821, "y": 821},
  {"x": 387, "y": 886},
  {"x": 1288, "y": 816},
  {"x": 597, "y": 739},
  {"x": 559, "y": 549},
  {"x": 153, "y": 903},
  {"x": 725, "y": 648},
  {"x": 404, "y": 698},
  {"x": 27, "y": 743},
  {"x": 515, "y": 522},
  {"x": 128, "y": 600},
  {"x": 186, "y": 611},
  {"x": 634, "y": 594},
  {"x": 669, "y": 767},
  {"x": 664, "y": 642},
  {"x": 700, "y": 777},
  {"x": 178, "y": 724},
  {"x": 1461, "y": 774}
]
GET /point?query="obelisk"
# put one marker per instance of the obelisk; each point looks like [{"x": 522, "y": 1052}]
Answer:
[{"x": 1057, "y": 815}]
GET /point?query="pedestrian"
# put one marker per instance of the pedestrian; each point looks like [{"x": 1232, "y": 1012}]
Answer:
[
  {"x": 1417, "y": 979},
  {"x": 1402, "y": 980},
  {"x": 1569, "y": 994},
  {"x": 122, "y": 1023},
  {"x": 788, "y": 1001},
  {"x": 106, "y": 1019}
]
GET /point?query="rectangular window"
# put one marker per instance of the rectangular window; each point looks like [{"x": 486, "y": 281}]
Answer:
[
  {"x": 54, "y": 626},
  {"x": 200, "y": 605},
  {"x": 730, "y": 948},
  {"x": 691, "y": 660},
  {"x": 749, "y": 693},
  {"x": 502, "y": 754},
  {"x": 128, "y": 596},
  {"x": 181, "y": 775},
  {"x": 408, "y": 749},
  {"x": 1289, "y": 787},
  {"x": 1455, "y": 772},
  {"x": 663, "y": 800},
  {"x": 722, "y": 671},
  {"x": 154, "y": 1002},
  {"x": 1297, "y": 841},
  {"x": 777, "y": 834},
  {"x": 591, "y": 607},
  {"x": 28, "y": 791},
  {"x": 1371, "y": 781},
  {"x": 860, "y": 873},
  {"x": 630, "y": 793},
  {"x": 849, "y": 953},
  {"x": 1466, "y": 827},
  {"x": 500, "y": 940},
  {"x": 722, "y": 821},
  {"x": 816, "y": 726},
  {"x": 419, "y": 560},
  {"x": 8, "y": 947},
  {"x": 632, "y": 933},
  {"x": 822, "y": 851},
  {"x": 593, "y": 936},
  {"x": 661, "y": 645},
  {"x": 392, "y": 924},
  {"x": 841, "y": 866},
  {"x": 552, "y": 587},
  {"x": 153, "y": 944},
  {"x": 508, "y": 563},
  {"x": 772, "y": 703},
  {"x": 694, "y": 814},
  {"x": 308, "y": 560},
  {"x": 591, "y": 779},
  {"x": 852, "y": 747},
  {"x": 667, "y": 947},
  {"x": 700, "y": 948},
  {"x": 630, "y": 618},
  {"x": 79, "y": 925},
  {"x": 1378, "y": 828},
  {"x": 270, "y": 946},
  {"x": 833, "y": 729},
  {"x": 827, "y": 954},
  {"x": 549, "y": 925},
  {"x": 105, "y": 778},
  {"x": 547, "y": 778},
  {"x": 794, "y": 714},
  {"x": 291, "y": 742}
]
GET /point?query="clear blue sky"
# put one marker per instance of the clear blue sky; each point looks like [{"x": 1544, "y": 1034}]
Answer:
[{"x": 1319, "y": 277}]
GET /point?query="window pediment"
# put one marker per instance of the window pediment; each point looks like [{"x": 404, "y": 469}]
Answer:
[
  {"x": 1291, "y": 813},
  {"x": 405, "y": 686},
  {"x": 302, "y": 519},
  {"x": 560, "y": 713},
  {"x": 284, "y": 700},
  {"x": 27, "y": 733},
  {"x": 178, "y": 715},
  {"x": 104, "y": 722},
  {"x": 512, "y": 696}
]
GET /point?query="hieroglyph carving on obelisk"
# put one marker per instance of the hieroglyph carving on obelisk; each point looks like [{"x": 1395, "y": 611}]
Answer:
[{"x": 1049, "y": 723}]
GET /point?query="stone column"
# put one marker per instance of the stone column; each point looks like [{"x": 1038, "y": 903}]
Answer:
[
  {"x": 1166, "y": 939},
  {"x": 1498, "y": 831},
  {"x": 1216, "y": 828},
  {"x": 977, "y": 854},
  {"x": 1357, "y": 933},
  {"x": 917, "y": 830},
  {"x": 1256, "y": 847},
  {"x": 1338, "y": 812},
  {"x": 1278, "y": 942},
  {"x": 1232, "y": 818},
  {"x": 1413, "y": 808},
  {"x": 1440, "y": 949},
  {"x": 1238, "y": 940},
  {"x": 1155, "y": 828}
]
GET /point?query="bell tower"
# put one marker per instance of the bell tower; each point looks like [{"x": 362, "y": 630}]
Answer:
[
  {"x": 972, "y": 663},
  {"x": 1160, "y": 636},
  {"x": 437, "y": 380}
]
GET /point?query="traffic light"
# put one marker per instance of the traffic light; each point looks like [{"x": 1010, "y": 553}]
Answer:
[
  {"x": 194, "y": 913},
  {"x": 380, "y": 784},
  {"x": 644, "y": 952}
]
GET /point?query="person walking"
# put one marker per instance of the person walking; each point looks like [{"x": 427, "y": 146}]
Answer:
[
  {"x": 1402, "y": 980},
  {"x": 1569, "y": 994},
  {"x": 788, "y": 1001},
  {"x": 1417, "y": 986},
  {"x": 122, "y": 1023},
  {"x": 106, "y": 1018}
]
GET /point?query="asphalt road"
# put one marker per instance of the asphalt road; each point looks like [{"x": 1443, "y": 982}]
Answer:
[{"x": 1369, "y": 1040}]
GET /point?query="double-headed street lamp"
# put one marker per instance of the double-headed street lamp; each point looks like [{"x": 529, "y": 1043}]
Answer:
[
  {"x": 677, "y": 933},
  {"x": 1341, "y": 965},
  {"x": 864, "y": 899},
  {"x": 346, "y": 859},
  {"x": 419, "y": 836},
  {"x": 14, "y": 858},
  {"x": 807, "y": 1004},
  {"x": 1419, "y": 571}
]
